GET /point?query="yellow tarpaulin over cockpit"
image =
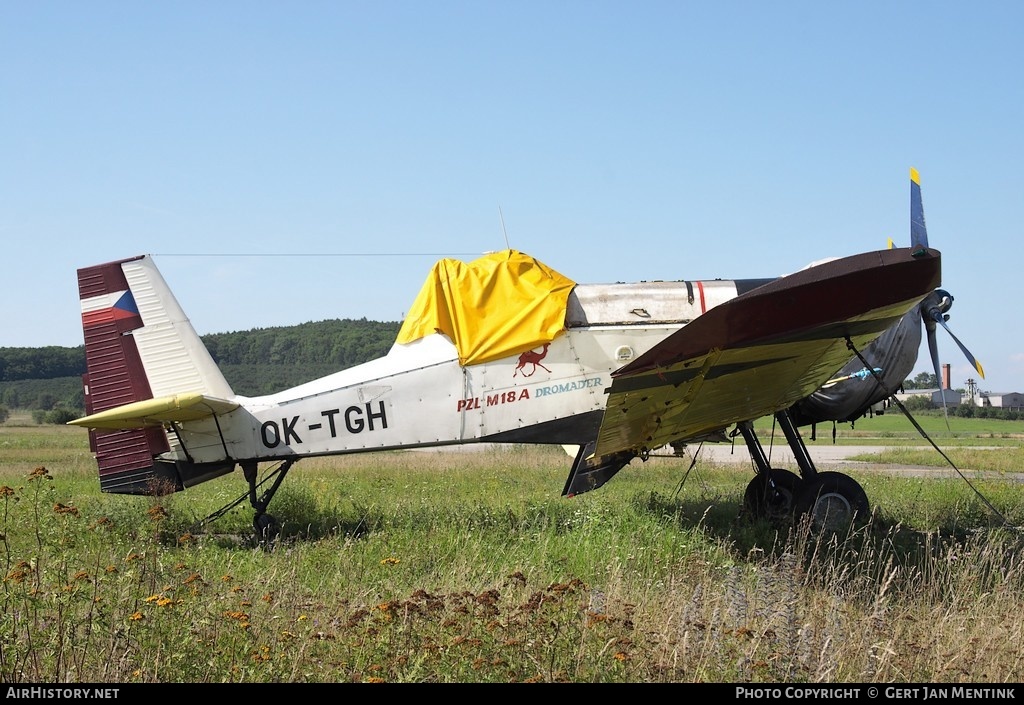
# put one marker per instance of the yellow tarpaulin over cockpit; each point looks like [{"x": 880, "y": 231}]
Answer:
[{"x": 495, "y": 306}]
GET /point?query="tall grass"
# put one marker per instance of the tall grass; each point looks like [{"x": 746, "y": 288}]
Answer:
[{"x": 469, "y": 567}]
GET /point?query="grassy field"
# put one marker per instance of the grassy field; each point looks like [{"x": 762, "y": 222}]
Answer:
[
  {"x": 894, "y": 426},
  {"x": 470, "y": 567}
]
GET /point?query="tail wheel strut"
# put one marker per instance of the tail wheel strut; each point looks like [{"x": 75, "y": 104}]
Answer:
[{"x": 266, "y": 525}]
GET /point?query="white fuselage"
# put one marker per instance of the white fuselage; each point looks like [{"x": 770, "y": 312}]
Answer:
[{"x": 419, "y": 395}]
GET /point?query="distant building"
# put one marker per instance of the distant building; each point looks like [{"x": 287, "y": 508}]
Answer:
[
  {"x": 934, "y": 396},
  {"x": 946, "y": 396},
  {"x": 1002, "y": 400}
]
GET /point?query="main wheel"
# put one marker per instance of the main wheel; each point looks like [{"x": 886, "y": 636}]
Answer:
[
  {"x": 771, "y": 495},
  {"x": 832, "y": 501}
]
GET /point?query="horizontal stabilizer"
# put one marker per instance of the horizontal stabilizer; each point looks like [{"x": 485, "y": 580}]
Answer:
[{"x": 158, "y": 412}]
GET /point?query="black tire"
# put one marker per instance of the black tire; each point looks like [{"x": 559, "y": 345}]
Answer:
[
  {"x": 267, "y": 528},
  {"x": 832, "y": 502},
  {"x": 775, "y": 499}
]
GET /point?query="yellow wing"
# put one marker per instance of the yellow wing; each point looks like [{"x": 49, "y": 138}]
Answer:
[{"x": 763, "y": 351}]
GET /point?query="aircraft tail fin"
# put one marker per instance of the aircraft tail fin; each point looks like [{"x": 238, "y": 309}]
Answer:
[{"x": 141, "y": 353}]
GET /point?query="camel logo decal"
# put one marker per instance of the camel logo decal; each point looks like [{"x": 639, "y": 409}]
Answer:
[{"x": 531, "y": 357}]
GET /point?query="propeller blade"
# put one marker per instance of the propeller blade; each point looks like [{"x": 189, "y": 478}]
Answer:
[
  {"x": 964, "y": 350},
  {"x": 935, "y": 307},
  {"x": 933, "y": 348},
  {"x": 918, "y": 230}
]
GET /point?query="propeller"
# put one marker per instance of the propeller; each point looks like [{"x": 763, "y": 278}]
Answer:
[
  {"x": 935, "y": 307},
  {"x": 934, "y": 310}
]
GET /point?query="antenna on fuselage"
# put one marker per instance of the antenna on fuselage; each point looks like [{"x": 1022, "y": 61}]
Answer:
[{"x": 503, "y": 231}]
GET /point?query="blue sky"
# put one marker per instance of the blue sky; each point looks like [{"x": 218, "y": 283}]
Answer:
[{"x": 293, "y": 162}]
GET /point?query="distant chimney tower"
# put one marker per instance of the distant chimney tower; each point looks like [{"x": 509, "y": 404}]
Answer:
[{"x": 945, "y": 377}]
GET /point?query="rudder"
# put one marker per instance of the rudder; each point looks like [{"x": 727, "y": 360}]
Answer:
[{"x": 139, "y": 345}]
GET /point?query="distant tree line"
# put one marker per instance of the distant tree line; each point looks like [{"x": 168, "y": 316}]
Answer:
[
  {"x": 923, "y": 380},
  {"x": 41, "y": 363},
  {"x": 335, "y": 343},
  {"x": 258, "y": 361}
]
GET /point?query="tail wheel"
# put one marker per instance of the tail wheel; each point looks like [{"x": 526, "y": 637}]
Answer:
[
  {"x": 832, "y": 501},
  {"x": 771, "y": 495},
  {"x": 267, "y": 528}
]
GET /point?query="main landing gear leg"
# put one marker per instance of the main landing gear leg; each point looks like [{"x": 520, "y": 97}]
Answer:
[
  {"x": 831, "y": 500},
  {"x": 770, "y": 495},
  {"x": 266, "y": 525}
]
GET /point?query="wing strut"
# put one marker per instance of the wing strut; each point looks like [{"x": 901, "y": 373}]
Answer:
[{"x": 181, "y": 441}]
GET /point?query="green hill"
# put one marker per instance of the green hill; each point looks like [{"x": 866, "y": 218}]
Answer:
[{"x": 258, "y": 361}]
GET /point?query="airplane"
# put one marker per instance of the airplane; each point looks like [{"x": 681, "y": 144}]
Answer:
[{"x": 504, "y": 349}]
